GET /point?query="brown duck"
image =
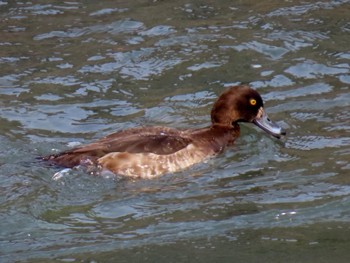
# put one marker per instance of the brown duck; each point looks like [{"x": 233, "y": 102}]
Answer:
[{"x": 147, "y": 152}]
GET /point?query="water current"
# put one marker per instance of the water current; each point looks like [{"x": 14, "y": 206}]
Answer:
[{"x": 74, "y": 71}]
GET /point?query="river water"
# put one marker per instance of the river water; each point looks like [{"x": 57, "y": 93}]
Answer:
[{"x": 71, "y": 72}]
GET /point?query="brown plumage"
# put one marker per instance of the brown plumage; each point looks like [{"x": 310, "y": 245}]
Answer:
[{"x": 147, "y": 152}]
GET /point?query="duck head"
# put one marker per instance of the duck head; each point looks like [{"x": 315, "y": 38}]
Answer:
[{"x": 243, "y": 104}]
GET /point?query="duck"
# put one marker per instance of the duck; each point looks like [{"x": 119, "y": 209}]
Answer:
[{"x": 149, "y": 152}]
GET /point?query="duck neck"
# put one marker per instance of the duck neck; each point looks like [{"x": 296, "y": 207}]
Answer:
[
  {"x": 227, "y": 131},
  {"x": 220, "y": 136}
]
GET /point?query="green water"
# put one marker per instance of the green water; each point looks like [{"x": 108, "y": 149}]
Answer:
[{"x": 71, "y": 72}]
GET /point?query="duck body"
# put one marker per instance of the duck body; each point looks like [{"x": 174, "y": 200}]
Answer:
[{"x": 148, "y": 152}]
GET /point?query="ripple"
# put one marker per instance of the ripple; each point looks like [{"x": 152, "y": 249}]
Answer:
[
  {"x": 205, "y": 65},
  {"x": 108, "y": 11},
  {"x": 161, "y": 30},
  {"x": 295, "y": 40},
  {"x": 10, "y": 81},
  {"x": 102, "y": 85},
  {"x": 116, "y": 210},
  {"x": 306, "y": 8},
  {"x": 276, "y": 81},
  {"x": 190, "y": 39},
  {"x": 137, "y": 64},
  {"x": 64, "y": 81},
  {"x": 313, "y": 89},
  {"x": 66, "y": 118},
  {"x": 345, "y": 79},
  {"x": 121, "y": 26},
  {"x": 12, "y": 59},
  {"x": 271, "y": 51},
  {"x": 48, "y": 97},
  {"x": 307, "y": 143},
  {"x": 43, "y": 10},
  {"x": 311, "y": 70},
  {"x": 200, "y": 95},
  {"x": 304, "y": 116},
  {"x": 152, "y": 67}
]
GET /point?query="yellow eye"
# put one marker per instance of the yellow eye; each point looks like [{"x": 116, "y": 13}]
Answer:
[{"x": 252, "y": 102}]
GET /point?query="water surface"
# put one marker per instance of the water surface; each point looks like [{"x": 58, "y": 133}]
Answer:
[{"x": 71, "y": 72}]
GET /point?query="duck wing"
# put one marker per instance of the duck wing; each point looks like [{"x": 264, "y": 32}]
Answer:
[{"x": 157, "y": 140}]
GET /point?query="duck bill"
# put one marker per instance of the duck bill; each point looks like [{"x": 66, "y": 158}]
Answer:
[{"x": 264, "y": 123}]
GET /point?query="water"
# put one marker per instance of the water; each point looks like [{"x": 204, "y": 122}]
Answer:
[{"x": 72, "y": 72}]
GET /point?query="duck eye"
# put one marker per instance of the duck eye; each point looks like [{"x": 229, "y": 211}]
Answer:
[{"x": 252, "y": 102}]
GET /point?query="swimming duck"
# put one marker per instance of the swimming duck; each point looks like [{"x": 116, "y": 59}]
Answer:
[{"x": 148, "y": 152}]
